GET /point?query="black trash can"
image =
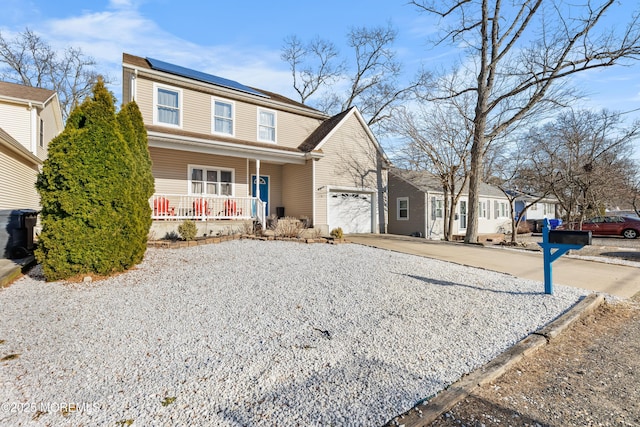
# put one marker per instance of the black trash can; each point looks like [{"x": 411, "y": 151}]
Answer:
[
  {"x": 16, "y": 232},
  {"x": 280, "y": 212}
]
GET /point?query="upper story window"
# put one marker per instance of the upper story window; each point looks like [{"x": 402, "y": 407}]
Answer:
[
  {"x": 167, "y": 106},
  {"x": 266, "y": 125},
  {"x": 222, "y": 117}
]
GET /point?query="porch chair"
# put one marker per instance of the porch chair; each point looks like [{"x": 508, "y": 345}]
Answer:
[
  {"x": 200, "y": 207},
  {"x": 161, "y": 207},
  {"x": 230, "y": 208}
]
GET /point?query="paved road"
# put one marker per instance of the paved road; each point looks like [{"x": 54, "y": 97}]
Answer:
[{"x": 618, "y": 280}]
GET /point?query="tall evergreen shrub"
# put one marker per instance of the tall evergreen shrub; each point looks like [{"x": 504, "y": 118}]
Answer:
[
  {"x": 94, "y": 187},
  {"x": 132, "y": 128}
]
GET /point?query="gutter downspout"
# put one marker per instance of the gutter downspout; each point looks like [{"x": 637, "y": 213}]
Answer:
[
  {"x": 313, "y": 186},
  {"x": 33, "y": 129}
]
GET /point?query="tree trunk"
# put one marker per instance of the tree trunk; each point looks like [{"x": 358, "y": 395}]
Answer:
[
  {"x": 446, "y": 216},
  {"x": 477, "y": 155}
]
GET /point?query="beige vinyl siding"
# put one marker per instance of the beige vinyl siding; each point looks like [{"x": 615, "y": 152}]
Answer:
[
  {"x": 297, "y": 190},
  {"x": 16, "y": 121},
  {"x": 350, "y": 158},
  {"x": 196, "y": 113},
  {"x": 291, "y": 129},
  {"x": 246, "y": 121},
  {"x": 126, "y": 85},
  {"x": 145, "y": 99},
  {"x": 417, "y": 208},
  {"x": 51, "y": 129},
  {"x": 17, "y": 180},
  {"x": 274, "y": 172},
  {"x": 171, "y": 170},
  {"x": 349, "y": 162}
]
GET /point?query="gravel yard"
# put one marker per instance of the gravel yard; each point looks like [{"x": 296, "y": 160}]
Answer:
[{"x": 257, "y": 333}]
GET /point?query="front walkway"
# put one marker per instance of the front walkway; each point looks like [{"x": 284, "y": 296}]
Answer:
[{"x": 619, "y": 280}]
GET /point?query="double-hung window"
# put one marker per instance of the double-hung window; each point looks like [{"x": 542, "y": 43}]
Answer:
[
  {"x": 210, "y": 181},
  {"x": 266, "y": 125},
  {"x": 504, "y": 212},
  {"x": 403, "y": 208},
  {"x": 222, "y": 117},
  {"x": 482, "y": 209},
  {"x": 168, "y": 102}
]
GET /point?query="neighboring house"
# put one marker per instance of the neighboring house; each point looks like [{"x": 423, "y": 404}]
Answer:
[
  {"x": 29, "y": 118},
  {"x": 416, "y": 207},
  {"x": 544, "y": 208},
  {"x": 225, "y": 151}
]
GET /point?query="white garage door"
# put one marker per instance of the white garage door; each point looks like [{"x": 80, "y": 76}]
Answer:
[{"x": 350, "y": 211}]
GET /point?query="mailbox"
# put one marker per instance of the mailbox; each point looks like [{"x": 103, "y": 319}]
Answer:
[{"x": 570, "y": 237}]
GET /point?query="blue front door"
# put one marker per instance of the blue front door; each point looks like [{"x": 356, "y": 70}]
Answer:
[{"x": 264, "y": 190}]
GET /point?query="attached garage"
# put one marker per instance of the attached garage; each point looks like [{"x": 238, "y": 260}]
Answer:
[{"x": 351, "y": 211}]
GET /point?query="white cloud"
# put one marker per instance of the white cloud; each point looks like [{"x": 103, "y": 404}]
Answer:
[{"x": 105, "y": 35}]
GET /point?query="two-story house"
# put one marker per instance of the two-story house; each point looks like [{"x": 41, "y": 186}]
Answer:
[
  {"x": 29, "y": 118},
  {"x": 225, "y": 151}
]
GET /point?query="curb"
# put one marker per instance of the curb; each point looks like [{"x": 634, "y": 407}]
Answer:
[
  {"x": 10, "y": 277},
  {"x": 11, "y": 270},
  {"x": 423, "y": 414}
]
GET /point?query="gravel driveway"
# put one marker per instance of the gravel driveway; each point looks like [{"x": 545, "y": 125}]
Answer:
[{"x": 257, "y": 333}]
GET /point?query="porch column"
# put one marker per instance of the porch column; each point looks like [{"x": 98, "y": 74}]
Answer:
[{"x": 257, "y": 195}]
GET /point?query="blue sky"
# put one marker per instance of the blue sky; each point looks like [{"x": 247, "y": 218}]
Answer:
[{"x": 241, "y": 40}]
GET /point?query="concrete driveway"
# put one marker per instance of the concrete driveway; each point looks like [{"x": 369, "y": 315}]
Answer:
[{"x": 619, "y": 280}]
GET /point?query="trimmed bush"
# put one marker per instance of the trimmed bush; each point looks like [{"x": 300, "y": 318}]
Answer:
[
  {"x": 288, "y": 227},
  {"x": 93, "y": 188},
  {"x": 188, "y": 230},
  {"x": 336, "y": 233}
]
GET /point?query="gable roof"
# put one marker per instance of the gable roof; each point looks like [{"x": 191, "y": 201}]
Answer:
[
  {"x": 421, "y": 180},
  {"x": 323, "y": 133},
  {"x": 428, "y": 182},
  {"x": 25, "y": 94}
]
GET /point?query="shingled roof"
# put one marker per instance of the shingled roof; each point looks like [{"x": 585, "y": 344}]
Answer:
[
  {"x": 25, "y": 93},
  {"x": 144, "y": 63},
  {"x": 427, "y": 181},
  {"x": 322, "y": 131}
]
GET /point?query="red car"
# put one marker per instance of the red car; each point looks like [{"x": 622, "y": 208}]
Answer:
[{"x": 611, "y": 225}]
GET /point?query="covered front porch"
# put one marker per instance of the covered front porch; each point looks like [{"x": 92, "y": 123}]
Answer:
[{"x": 206, "y": 207}]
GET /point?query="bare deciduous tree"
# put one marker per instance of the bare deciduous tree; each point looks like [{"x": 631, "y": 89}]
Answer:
[
  {"x": 31, "y": 61},
  {"x": 584, "y": 156},
  {"x": 371, "y": 77},
  {"x": 519, "y": 176},
  {"x": 312, "y": 65},
  {"x": 438, "y": 140},
  {"x": 519, "y": 50}
]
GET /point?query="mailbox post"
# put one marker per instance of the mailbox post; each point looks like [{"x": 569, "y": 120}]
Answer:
[{"x": 562, "y": 241}]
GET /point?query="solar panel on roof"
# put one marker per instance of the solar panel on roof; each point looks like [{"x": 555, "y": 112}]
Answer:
[{"x": 203, "y": 77}]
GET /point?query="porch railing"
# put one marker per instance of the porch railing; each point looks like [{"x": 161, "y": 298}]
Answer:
[{"x": 199, "y": 207}]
